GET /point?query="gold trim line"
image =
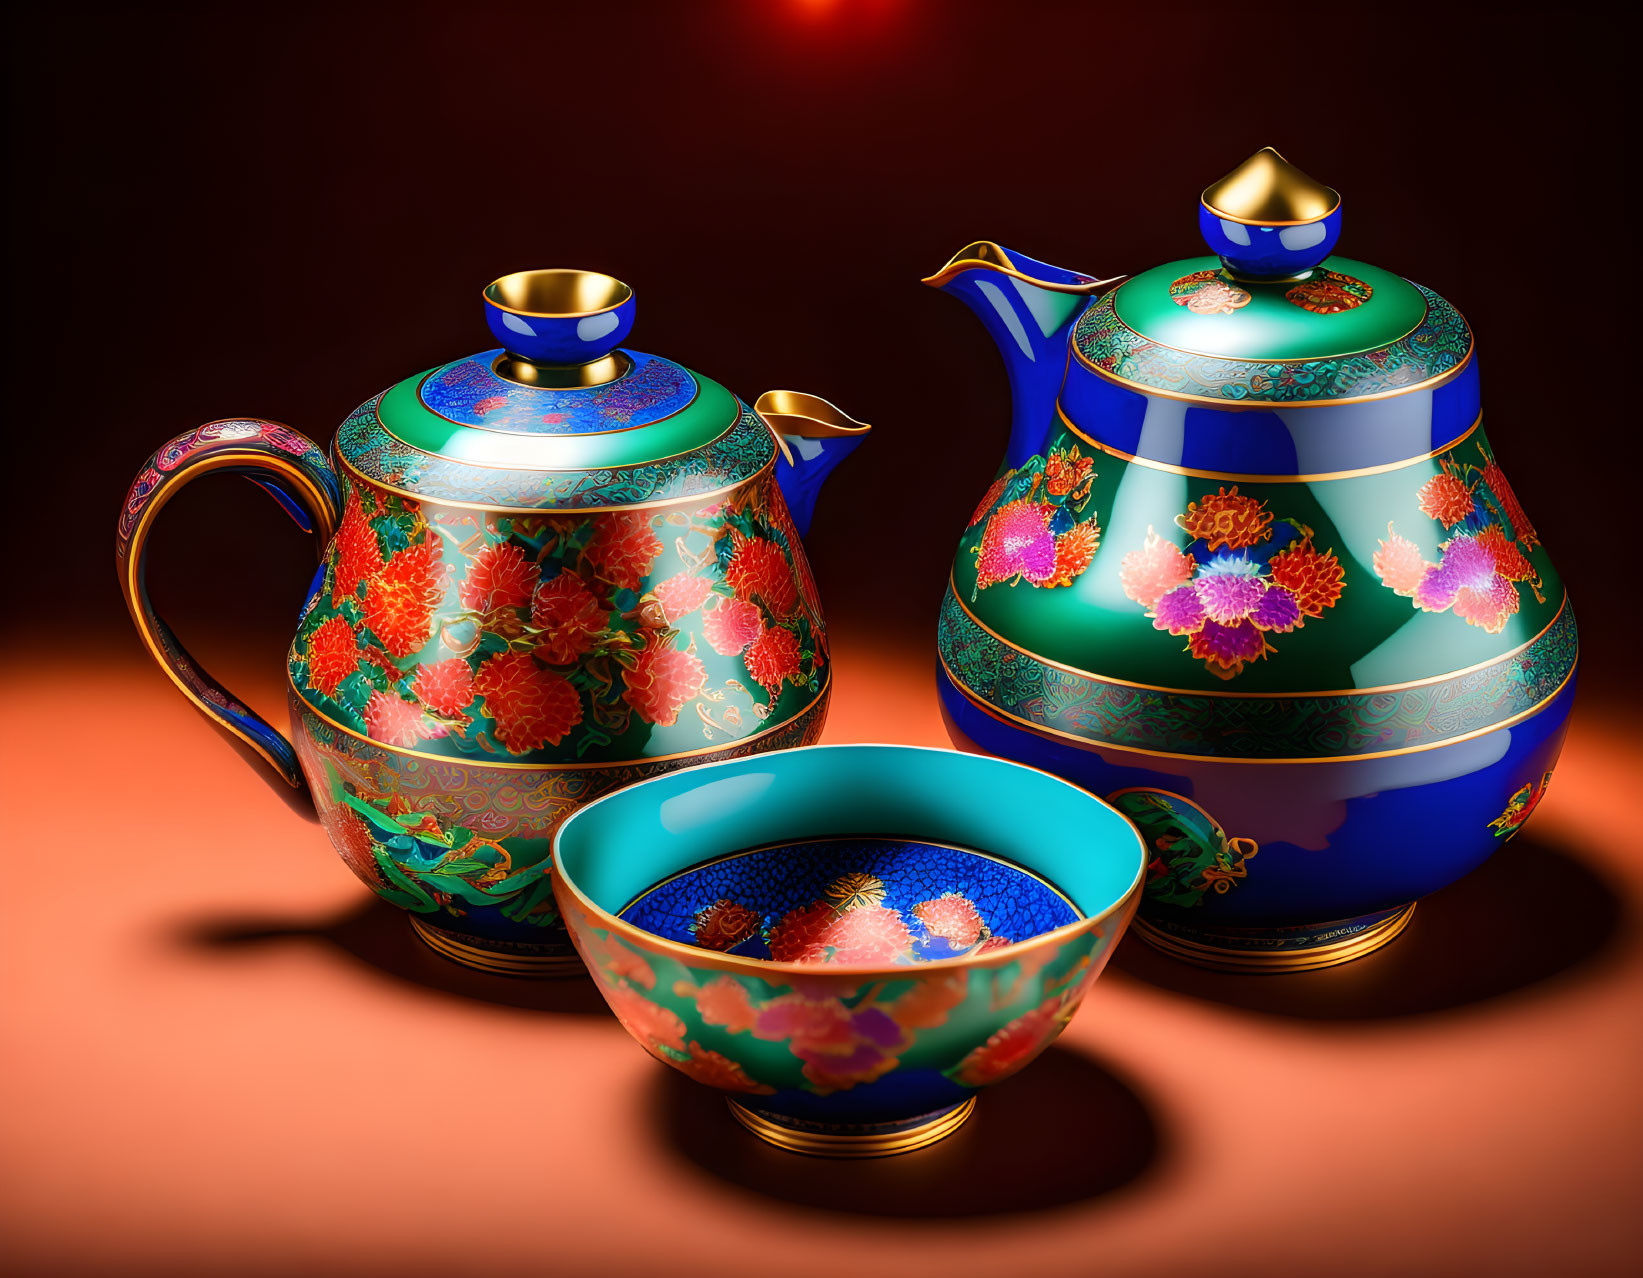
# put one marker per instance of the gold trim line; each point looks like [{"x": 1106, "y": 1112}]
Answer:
[
  {"x": 502, "y": 962},
  {"x": 1225, "y": 959},
  {"x": 476, "y": 762},
  {"x": 988, "y": 256},
  {"x": 1317, "y": 477},
  {"x": 841, "y": 1145}
]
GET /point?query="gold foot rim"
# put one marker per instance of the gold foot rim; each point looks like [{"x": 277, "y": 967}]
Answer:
[
  {"x": 1224, "y": 959},
  {"x": 843, "y": 1145},
  {"x": 498, "y": 961}
]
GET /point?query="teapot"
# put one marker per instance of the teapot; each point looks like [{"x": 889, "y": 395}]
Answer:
[
  {"x": 547, "y": 570},
  {"x": 1251, "y": 570}
]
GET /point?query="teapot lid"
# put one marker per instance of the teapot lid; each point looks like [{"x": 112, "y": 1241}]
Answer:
[
  {"x": 561, "y": 416},
  {"x": 1272, "y": 317}
]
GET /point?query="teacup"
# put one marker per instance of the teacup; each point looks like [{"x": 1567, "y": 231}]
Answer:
[{"x": 848, "y": 941}]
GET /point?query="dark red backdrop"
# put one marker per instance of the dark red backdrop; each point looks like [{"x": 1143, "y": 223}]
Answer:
[{"x": 279, "y": 210}]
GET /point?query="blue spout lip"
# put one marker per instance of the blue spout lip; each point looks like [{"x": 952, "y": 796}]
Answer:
[{"x": 988, "y": 255}]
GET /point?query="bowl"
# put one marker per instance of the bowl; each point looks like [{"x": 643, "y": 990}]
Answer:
[{"x": 848, "y": 941}]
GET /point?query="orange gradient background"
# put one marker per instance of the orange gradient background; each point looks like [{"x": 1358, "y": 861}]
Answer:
[{"x": 220, "y": 1056}]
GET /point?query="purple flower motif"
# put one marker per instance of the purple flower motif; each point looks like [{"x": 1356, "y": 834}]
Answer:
[
  {"x": 1278, "y": 610},
  {"x": 1228, "y": 645},
  {"x": 1466, "y": 564},
  {"x": 1229, "y": 598},
  {"x": 1179, "y": 612}
]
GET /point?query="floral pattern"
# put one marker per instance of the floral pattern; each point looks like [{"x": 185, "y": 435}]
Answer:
[
  {"x": 616, "y": 634},
  {"x": 1483, "y": 561},
  {"x": 1329, "y": 293},
  {"x": 1518, "y": 808},
  {"x": 1208, "y": 293},
  {"x": 1037, "y": 529},
  {"x": 1189, "y": 854},
  {"x": 1243, "y": 576}
]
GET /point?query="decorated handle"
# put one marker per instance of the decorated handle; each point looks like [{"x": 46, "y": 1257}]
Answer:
[{"x": 277, "y": 459}]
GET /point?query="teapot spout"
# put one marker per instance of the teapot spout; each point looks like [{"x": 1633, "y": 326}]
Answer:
[
  {"x": 1029, "y": 308},
  {"x": 813, "y": 437}
]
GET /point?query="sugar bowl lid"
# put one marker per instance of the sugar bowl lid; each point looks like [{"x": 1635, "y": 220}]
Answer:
[
  {"x": 1272, "y": 317},
  {"x": 560, "y": 416}
]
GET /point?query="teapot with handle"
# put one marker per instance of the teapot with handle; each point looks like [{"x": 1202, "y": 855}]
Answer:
[{"x": 547, "y": 570}]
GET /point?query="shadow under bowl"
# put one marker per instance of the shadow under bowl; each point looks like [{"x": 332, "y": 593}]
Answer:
[{"x": 848, "y": 941}]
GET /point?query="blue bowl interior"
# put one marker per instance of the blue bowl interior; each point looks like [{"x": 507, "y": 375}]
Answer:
[{"x": 834, "y": 829}]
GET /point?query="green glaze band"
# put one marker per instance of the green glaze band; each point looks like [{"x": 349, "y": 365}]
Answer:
[{"x": 1102, "y": 712}]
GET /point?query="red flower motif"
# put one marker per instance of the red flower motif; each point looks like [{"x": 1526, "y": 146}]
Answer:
[
  {"x": 400, "y": 600},
  {"x": 773, "y": 658},
  {"x": 782, "y": 520},
  {"x": 819, "y": 933},
  {"x": 1315, "y": 578},
  {"x": 499, "y": 577},
  {"x": 1067, "y": 471},
  {"x": 652, "y": 1024},
  {"x": 569, "y": 616},
  {"x": 725, "y": 1001},
  {"x": 1227, "y": 519},
  {"x": 759, "y": 569},
  {"x": 952, "y": 917},
  {"x": 1226, "y": 649},
  {"x": 489, "y": 404},
  {"x": 731, "y": 624},
  {"x": 1522, "y": 529},
  {"x": 1446, "y": 498},
  {"x": 1509, "y": 560},
  {"x": 993, "y": 493},
  {"x": 1074, "y": 552},
  {"x": 351, "y": 836},
  {"x": 724, "y": 925},
  {"x": 531, "y": 707},
  {"x": 1011, "y": 1047},
  {"x": 681, "y": 594},
  {"x": 357, "y": 553},
  {"x": 662, "y": 680},
  {"x": 716, "y": 1070},
  {"x": 623, "y": 549},
  {"x": 393, "y": 721},
  {"x": 444, "y": 686},
  {"x": 333, "y": 655}
]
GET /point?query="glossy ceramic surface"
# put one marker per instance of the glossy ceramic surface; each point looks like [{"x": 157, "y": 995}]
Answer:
[
  {"x": 862, "y": 968},
  {"x": 1253, "y": 570},
  {"x": 538, "y": 583}
]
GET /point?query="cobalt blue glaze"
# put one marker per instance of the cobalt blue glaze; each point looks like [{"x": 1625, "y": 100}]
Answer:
[
  {"x": 1268, "y": 440},
  {"x": 1270, "y": 251},
  {"x": 1335, "y": 836},
  {"x": 470, "y": 392},
  {"x": 802, "y": 478},
  {"x": 560, "y": 339},
  {"x": 773, "y": 882}
]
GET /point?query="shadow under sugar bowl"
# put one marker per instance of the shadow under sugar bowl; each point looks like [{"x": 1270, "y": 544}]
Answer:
[{"x": 848, "y": 941}]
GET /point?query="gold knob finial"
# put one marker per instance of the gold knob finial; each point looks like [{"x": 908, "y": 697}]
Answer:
[{"x": 1267, "y": 190}]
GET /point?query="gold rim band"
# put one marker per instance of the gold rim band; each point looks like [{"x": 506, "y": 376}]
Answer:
[
  {"x": 1224, "y": 959},
  {"x": 1170, "y": 469},
  {"x": 501, "y": 962},
  {"x": 839, "y": 1145}
]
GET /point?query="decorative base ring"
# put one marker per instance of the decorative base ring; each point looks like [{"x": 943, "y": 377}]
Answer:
[
  {"x": 880, "y": 1144},
  {"x": 1225, "y": 958},
  {"x": 498, "y": 961}
]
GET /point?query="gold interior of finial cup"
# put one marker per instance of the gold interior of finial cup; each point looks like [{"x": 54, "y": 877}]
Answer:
[{"x": 557, "y": 293}]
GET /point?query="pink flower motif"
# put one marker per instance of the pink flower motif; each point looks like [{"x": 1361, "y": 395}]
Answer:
[
  {"x": 499, "y": 577},
  {"x": 731, "y": 624},
  {"x": 1017, "y": 542},
  {"x": 1228, "y": 598},
  {"x": 1179, "y": 612},
  {"x": 393, "y": 721},
  {"x": 444, "y": 686},
  {"x": 681, "y": 594},
  {"x": 1148, "y": 574}
]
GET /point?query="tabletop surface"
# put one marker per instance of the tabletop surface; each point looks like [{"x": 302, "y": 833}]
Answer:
[{"x": 221, "y": 1056}]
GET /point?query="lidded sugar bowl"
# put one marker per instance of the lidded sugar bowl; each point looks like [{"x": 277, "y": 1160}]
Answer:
[
  {"x": 548, "y": 569},
  {"x": 1252, "y": 571}
]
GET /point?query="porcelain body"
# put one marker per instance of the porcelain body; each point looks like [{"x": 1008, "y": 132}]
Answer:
[
  {"x": 529, "y": 595},
  {"x": 867, "y": 989},
  {"x": 1252, "y": 570}
]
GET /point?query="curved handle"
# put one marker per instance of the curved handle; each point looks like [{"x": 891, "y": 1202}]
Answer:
[{"x": 276, "y": 458}]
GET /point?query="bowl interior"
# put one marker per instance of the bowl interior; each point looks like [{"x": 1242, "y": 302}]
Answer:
[
  {"x": 557, "y": 292},
  {"x": 856, "y": 854}
]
